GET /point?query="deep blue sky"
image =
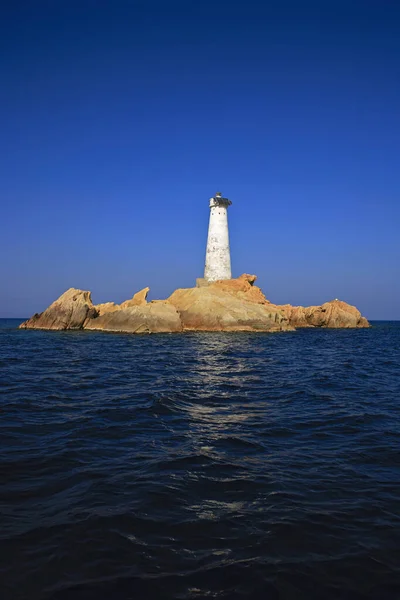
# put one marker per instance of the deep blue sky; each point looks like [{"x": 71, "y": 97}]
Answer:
[{"x": 120, "y": 119}]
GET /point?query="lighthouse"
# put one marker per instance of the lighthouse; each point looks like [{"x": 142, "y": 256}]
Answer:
[{"x": 218, "y": 254}]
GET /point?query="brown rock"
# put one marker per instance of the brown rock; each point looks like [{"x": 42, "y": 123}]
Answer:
[
  {"x": 333, "y": 314},
  {"x": 139, "y": 299},
  {"x": 69, "y": 311},
  {"x": 228, "y": 305},
  {"x": 106, "y": 307},
  {"x": 154, "y": 317},
  {"x": 243, "y": 287},
  {"x": 231, "y": 305}
]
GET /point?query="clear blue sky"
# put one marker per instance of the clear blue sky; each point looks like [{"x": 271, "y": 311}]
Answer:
[{"x": 120, "y": 119}]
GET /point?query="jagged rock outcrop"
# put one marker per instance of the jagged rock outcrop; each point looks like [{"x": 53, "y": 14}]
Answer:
[
  {"x": 74, "y": 310},
  {"x": 243, "y": 287},
  {"x": 153, "y": 317},
  {"x": 139, "y": 299},
  {"x": 228, "y": 305},
  {"x": 106, "y": 307},
  {"x": 69, "y": 311},
  {"x": 333, "y": 314}
]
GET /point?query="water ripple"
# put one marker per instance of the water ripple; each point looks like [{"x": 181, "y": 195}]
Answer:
[{"x": 200, "y": 465}]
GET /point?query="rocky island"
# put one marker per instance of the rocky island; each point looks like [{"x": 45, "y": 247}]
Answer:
[
  {"x": 222, "y": 305},
  {"x": 217, "y": 303}
]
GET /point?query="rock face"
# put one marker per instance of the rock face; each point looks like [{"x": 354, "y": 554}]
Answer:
[
  {"x": 243, "y": 288},
  {"x": 157, "y": 317},
  {"x": 106, "y": 307},
  {"x": 139, "y": 299},
  {"x": 70, "y": 311},
  {"x": 333, "y": 314},
  {"x": 226, "y": 305}
]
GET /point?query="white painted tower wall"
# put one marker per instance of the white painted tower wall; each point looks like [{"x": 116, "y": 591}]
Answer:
[{"x": 218, "y": 254}]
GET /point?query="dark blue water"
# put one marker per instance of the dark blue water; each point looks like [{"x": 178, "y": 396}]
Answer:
[{"x": 200, "y": 465}]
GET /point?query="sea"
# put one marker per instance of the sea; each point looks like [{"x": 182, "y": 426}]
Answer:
[{"x": 200, "y": 465}]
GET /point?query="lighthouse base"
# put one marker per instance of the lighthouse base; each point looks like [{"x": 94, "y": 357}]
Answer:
[{"x": 201, "y": 282}]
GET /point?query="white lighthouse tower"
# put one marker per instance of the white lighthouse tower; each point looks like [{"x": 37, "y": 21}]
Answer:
[{"x": 218, "y": 254}]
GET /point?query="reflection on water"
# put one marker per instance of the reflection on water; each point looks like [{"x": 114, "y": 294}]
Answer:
[
  {"x": 200, "y": 465},
  {"x": 221, "y": 370}
]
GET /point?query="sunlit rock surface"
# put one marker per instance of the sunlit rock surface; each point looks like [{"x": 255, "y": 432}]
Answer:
[
  {"x": 70, "y": 311},
  {"x": 334, "y": 314},
  {"x": 153, "y": 317},
  {"x": 226, "y": 305}
]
